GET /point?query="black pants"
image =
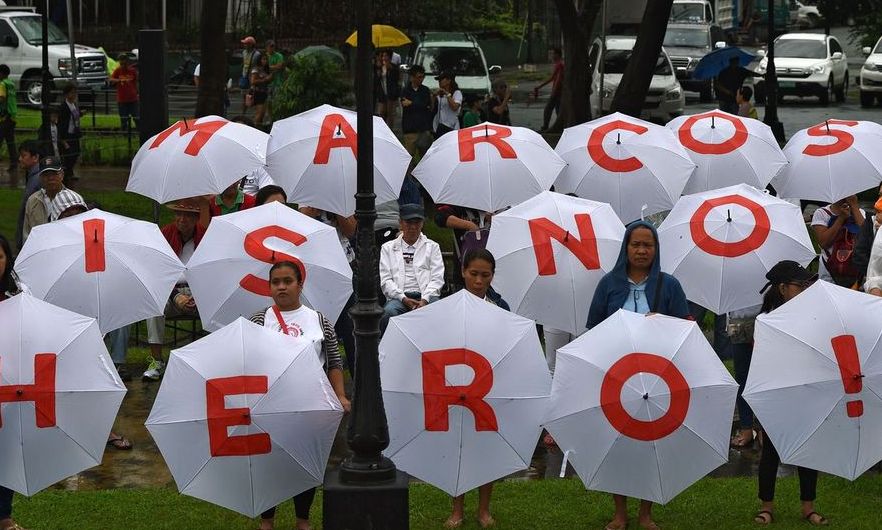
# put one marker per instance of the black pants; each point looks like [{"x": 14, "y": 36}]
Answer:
[
  {"x": 302, "y": 504},
  {"x": 553, "y": 105},
  {"x": 768, "y": 472},
  {"x": 69, "y": 157},
  {"x": 5, "y": 503},
  {"x": 344, "y": 329},
  {"x": 7, "y": 134}
]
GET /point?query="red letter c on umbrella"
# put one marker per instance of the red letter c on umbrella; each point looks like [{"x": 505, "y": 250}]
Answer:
[
  {"x": 709, "y": 244},
  {"x": 621, "y": 420},
  {"x": 602, "y": 158},
  {"x": 690, "y": 142}
]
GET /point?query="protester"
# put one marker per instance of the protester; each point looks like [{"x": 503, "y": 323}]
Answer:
[
  {"x": 386, "y": 226},
  {"x": 256, "y": 181},
  {"x": 745, "y": 106},
  {"x": 411, "y": 267},
  {"x": 472, "y": 114},
  {"x": 728, "y": 82},
  {"x": 864, "y": 244},
  {"x": 470, "y": 227},
  {"x": 250, "y": 57},
  {"x": 836, "y": 227},
  {"x": 478, "y": 268},
  {"x": 196, "y": 74},
  {"x": 497, "y": 105},
  {"x": 125, "y": 79},
  {"x": 386, "y": 88},
  {"x": 8, "y": 114},
  {"x": 29, "y": 159},
  {"x": 556, "y": 80},
  {"x": 49, "y": 136},
  {"x": 38, "y": 209},
  {"x": 66, "y": 203},
  {"x": 69, "y": 130},
  {"x": 739, "y": 327},
  {"x": 636, "y": 283},
  {"x": 183, "y": 235},
  {"x": 9, "y": 287},
  {"x": 786, "y": 280},
  {"x": 277, "y": 70},
  {"x": 287, "y": 315},
  {"x": 416, "y": 125},
  {"x": 270, "y": 193},
  {"x": 261, "y": 77},
  {"x": 448, "y": 103},
  {"x": 231, "y": 200},
  {"x": 873, "y": 282}
]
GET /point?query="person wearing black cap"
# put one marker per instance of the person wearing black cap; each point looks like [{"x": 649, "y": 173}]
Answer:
[
  {"x": 786, "y": 280},
  {"x": 38, "y": 208},
  {"x": 448, "y": 103},
  {"x": 411, "y": 266}
]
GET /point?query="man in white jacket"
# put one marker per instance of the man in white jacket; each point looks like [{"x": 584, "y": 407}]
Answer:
[{"x": 411, "y": 267}]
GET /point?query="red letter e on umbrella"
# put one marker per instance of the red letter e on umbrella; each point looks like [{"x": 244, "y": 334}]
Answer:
[
  {"x": 438, "y": 396},
  {"x": 220, "y": 418}
]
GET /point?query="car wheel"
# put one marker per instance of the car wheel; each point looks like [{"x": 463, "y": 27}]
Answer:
[
  {"x": 867, "y": 99},
  {"x": 842, "y": 93},
  {"x": 32, "y": 87},
  {"x": 825, "y": 96}
]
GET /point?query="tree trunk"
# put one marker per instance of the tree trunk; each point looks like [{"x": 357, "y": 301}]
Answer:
[
  {"x": 213, "y": 69},
  {"x": 575, "y": 27},
  {"x": 631, "y": 92}
]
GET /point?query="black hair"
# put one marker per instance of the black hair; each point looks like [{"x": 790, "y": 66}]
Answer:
[
  {"x": 68, "y": 88},
  {"x": 417, "y": 69},
  {"x": 746, "y": 92},
  {"x": 4, "y": 69},
  {"x": 291, "y": 265},
  {"x": 264, "y": 193},
  {"x": 773, "y": 299},
  {"x": 6, "y": 281},
  {"x": 476, "y": 254},
  {"x": 30, "y": 146}
]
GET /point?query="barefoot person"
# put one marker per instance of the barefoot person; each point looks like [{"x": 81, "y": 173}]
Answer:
[
  {"x": 287, "y": 315},
  {"x": 785, "y": 281},
  {"x": 478, "y": 268},
  {"x": 637, "y": 284}
]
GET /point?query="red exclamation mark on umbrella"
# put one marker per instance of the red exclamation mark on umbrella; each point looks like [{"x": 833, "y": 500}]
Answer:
[{"x": 845, "y": 349}]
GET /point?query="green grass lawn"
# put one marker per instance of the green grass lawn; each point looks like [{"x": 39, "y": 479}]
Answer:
[{"x": 718, "y": 504}]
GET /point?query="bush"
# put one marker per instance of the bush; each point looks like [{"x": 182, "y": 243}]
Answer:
[{"x": 310, "y": 81}]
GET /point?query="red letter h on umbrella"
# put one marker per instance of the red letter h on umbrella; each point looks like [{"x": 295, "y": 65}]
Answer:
[
  {"x": 438, "y": 396},
  {"x": 42, "y": 392}
]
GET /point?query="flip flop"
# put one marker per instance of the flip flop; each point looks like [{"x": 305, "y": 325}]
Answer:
[
  {"x": 612, "y": 525},
  {"x": 760, "y": 518},
  {"x": 120, "y": 442},
  {"x": 820, "y": 521}
]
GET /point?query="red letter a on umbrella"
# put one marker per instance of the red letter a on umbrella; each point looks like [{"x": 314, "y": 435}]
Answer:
[
  {"x": 438, "y": 396},
  {"x": 335, "y": 132}
]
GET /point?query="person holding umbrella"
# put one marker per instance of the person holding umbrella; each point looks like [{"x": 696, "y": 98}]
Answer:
[
  {"x": 289, "y": 316},
  {"x": 478, "y": 268},
  {"x": 448, "y": 102},
  {"x": 637, "y": 284},
  {"x": 786, "y": 280}
]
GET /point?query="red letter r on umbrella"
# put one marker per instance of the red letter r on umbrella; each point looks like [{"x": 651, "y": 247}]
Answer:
[{"x": 438, "y": 396}]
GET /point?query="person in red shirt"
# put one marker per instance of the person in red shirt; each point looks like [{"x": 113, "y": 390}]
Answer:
[
  {"x": 125, "y": 79},
  {"x": 556, "y": 81}
]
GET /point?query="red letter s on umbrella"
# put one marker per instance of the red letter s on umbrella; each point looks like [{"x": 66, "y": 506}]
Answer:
[{"x": 256, "y": 249}]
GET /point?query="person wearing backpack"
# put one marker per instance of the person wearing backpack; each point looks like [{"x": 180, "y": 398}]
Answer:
[{"x": 836, "y": 228}]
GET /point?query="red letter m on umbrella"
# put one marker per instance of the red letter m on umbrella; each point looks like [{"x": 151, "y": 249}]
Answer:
[
  {"x": 438, "y": 395},
  {"x": 542, "y": 231},
  {"x": 203, "y": 133},
  {"x": 42, "y": 392}
]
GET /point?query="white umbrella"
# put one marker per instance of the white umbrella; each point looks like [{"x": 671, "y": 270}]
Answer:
[
  {"x": 313, "y": 155},
  {"x": 464, "y": 406},
  {"x": 831, "y": 161},
  {"x": 625, "y": 162},
  {"x": 198, "y": 157},
  {"x": 551, "y": 252},
  {"x": 728, "y": 150},
  {"x": 816, "y": 379},
  {"x": 245, "y": 418},
  {"x": 229, "y": 272},
  {"x": 642, "y": 405},
  {"x": 488, "y": 167},
  {"x": 59, "y": 394},
  {"x": 721, "y": 243},
  {"x": 106, "y": 266}
]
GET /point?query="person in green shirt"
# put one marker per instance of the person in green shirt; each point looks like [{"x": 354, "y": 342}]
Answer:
[
  {"x": 472, "y": 114},
  {"x": 277, "y": 70},
  {"x": 8, "y": 112}
]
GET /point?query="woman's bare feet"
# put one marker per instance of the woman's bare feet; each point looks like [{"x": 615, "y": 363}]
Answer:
[
  {"x": 648, "y": 524},
  {"x": 617, "y": 523},
  {"x": 266, "y": 524},
  {"x": 454, "y": 521},
  {"x": 486, "y": 520}
]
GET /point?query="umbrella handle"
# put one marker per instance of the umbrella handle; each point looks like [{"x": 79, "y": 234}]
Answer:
[{"x": 563, "y": 464}]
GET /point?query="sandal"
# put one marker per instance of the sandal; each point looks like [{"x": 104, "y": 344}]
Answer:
[
  {"x": 815, "y": 519},
  {"x": 119, "y": 442},
  {"x": 612, "y": 525},
  {"x": 763, "y": 517},
  {"x": 453, "y": 523},
  {"x": 486, "y": 523},
  {"x": 738, "y": 441}
]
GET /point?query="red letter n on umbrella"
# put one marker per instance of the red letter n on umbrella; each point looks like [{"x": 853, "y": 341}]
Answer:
[
  {"x": 204, "y": 131},
  {"x": 335, "y": 132},
  {"x": 584, "y": 247},
  {"x": 220, "y": 418},
  {"x": 255, "y": 248},
  {"x": 470, "y": 137},
  {"x": 42, "y": 392},
  {"x": 438, "y": 395}
]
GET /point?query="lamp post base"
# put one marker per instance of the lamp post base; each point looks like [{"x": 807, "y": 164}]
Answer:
[{"x": 349, "y": 506}]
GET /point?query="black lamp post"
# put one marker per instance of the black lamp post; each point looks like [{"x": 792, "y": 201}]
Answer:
[
  {"x": 771, "y": 116},
  {"x": 367, "y": 492},
  {"x": 46, "y": 93}
]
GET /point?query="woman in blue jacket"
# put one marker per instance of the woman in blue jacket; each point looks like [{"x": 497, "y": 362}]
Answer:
[{"x": 637, "y": 284}]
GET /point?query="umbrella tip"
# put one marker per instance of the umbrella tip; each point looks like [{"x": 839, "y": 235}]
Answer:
[
  {"x": 273, "y": 256},
  {"x": 618, "y": 138},
  {"x": 646, "y": 395},
  {"x": 728, "y": 216},
  {"x": 713, "y": 123},
  {"x": 827, "y": 123},
  {"x": 567, "y": 236}
]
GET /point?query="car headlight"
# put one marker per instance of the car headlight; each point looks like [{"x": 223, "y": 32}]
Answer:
[
  {"x": 819, "y": 68},
  {"x": 869, "y": 66},
  {"x": 64, "y": 66},
  {"x": 672, "y": 95}
]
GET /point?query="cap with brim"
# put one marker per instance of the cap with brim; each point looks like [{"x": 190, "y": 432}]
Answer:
[
  {"x": 409, "y": 212},
  {"x": 788, "y": 271},
  {"x": 184, "y": 205},
  {"x": 248, "y": 40},
  {"x": 50, "y": 163}
]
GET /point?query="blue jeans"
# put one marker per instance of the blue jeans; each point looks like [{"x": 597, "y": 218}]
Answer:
[
  {"x": 393, "y": 308},
  {"x": 119, "y": 343},
  {"x": 126, "y": 111},
  {"x": 742, "y": 354},
  {"x": 5, "y": 503}
]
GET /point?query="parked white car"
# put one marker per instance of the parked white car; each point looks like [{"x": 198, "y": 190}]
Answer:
[
  {"x": 803, "y": 16},
  {"x": 808, "y": 64},
  {"x": 665, "y": 99},
  {"x": 871, "y": 75},
  {"x": 459, "y": 53}
]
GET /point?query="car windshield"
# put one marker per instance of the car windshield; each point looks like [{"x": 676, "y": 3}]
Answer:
[
  {"x": 31, "y": 30},
  {"x": 614, "y": 62},
  {"x": 687, "y": 37},
  {"x": 802, "y": 49},
  {"x": 692, "y": 13},
  {"x": 878, "y": 47},
  {"x": 462, "y": 61}
]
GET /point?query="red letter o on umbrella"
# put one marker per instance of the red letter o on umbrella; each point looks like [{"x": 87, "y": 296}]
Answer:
[
  {"x": 611, "y": 396},
  {"x": 733, "y": 143},
  {"x": 713, "y": 246}
]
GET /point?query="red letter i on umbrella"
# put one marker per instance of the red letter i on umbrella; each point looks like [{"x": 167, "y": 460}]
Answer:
[
  {"x": 845, "y": 349},
  {"x": 93, "y": 238}
]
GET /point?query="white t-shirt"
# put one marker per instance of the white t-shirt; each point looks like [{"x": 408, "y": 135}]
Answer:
[
  {"x": 256, "y": 180},
  {"x": 411, "y": 285},
  {"x": 445, "y": 114},
  {"x": 197, "y": 70},
  {"x": 302, "y": 322},
  {"x": 822, "y": 216}
]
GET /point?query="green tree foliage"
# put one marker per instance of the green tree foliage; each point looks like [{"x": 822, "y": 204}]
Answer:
[
  {"x": 309, "y": 82},
  {"x": 864, "y": 17}
]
